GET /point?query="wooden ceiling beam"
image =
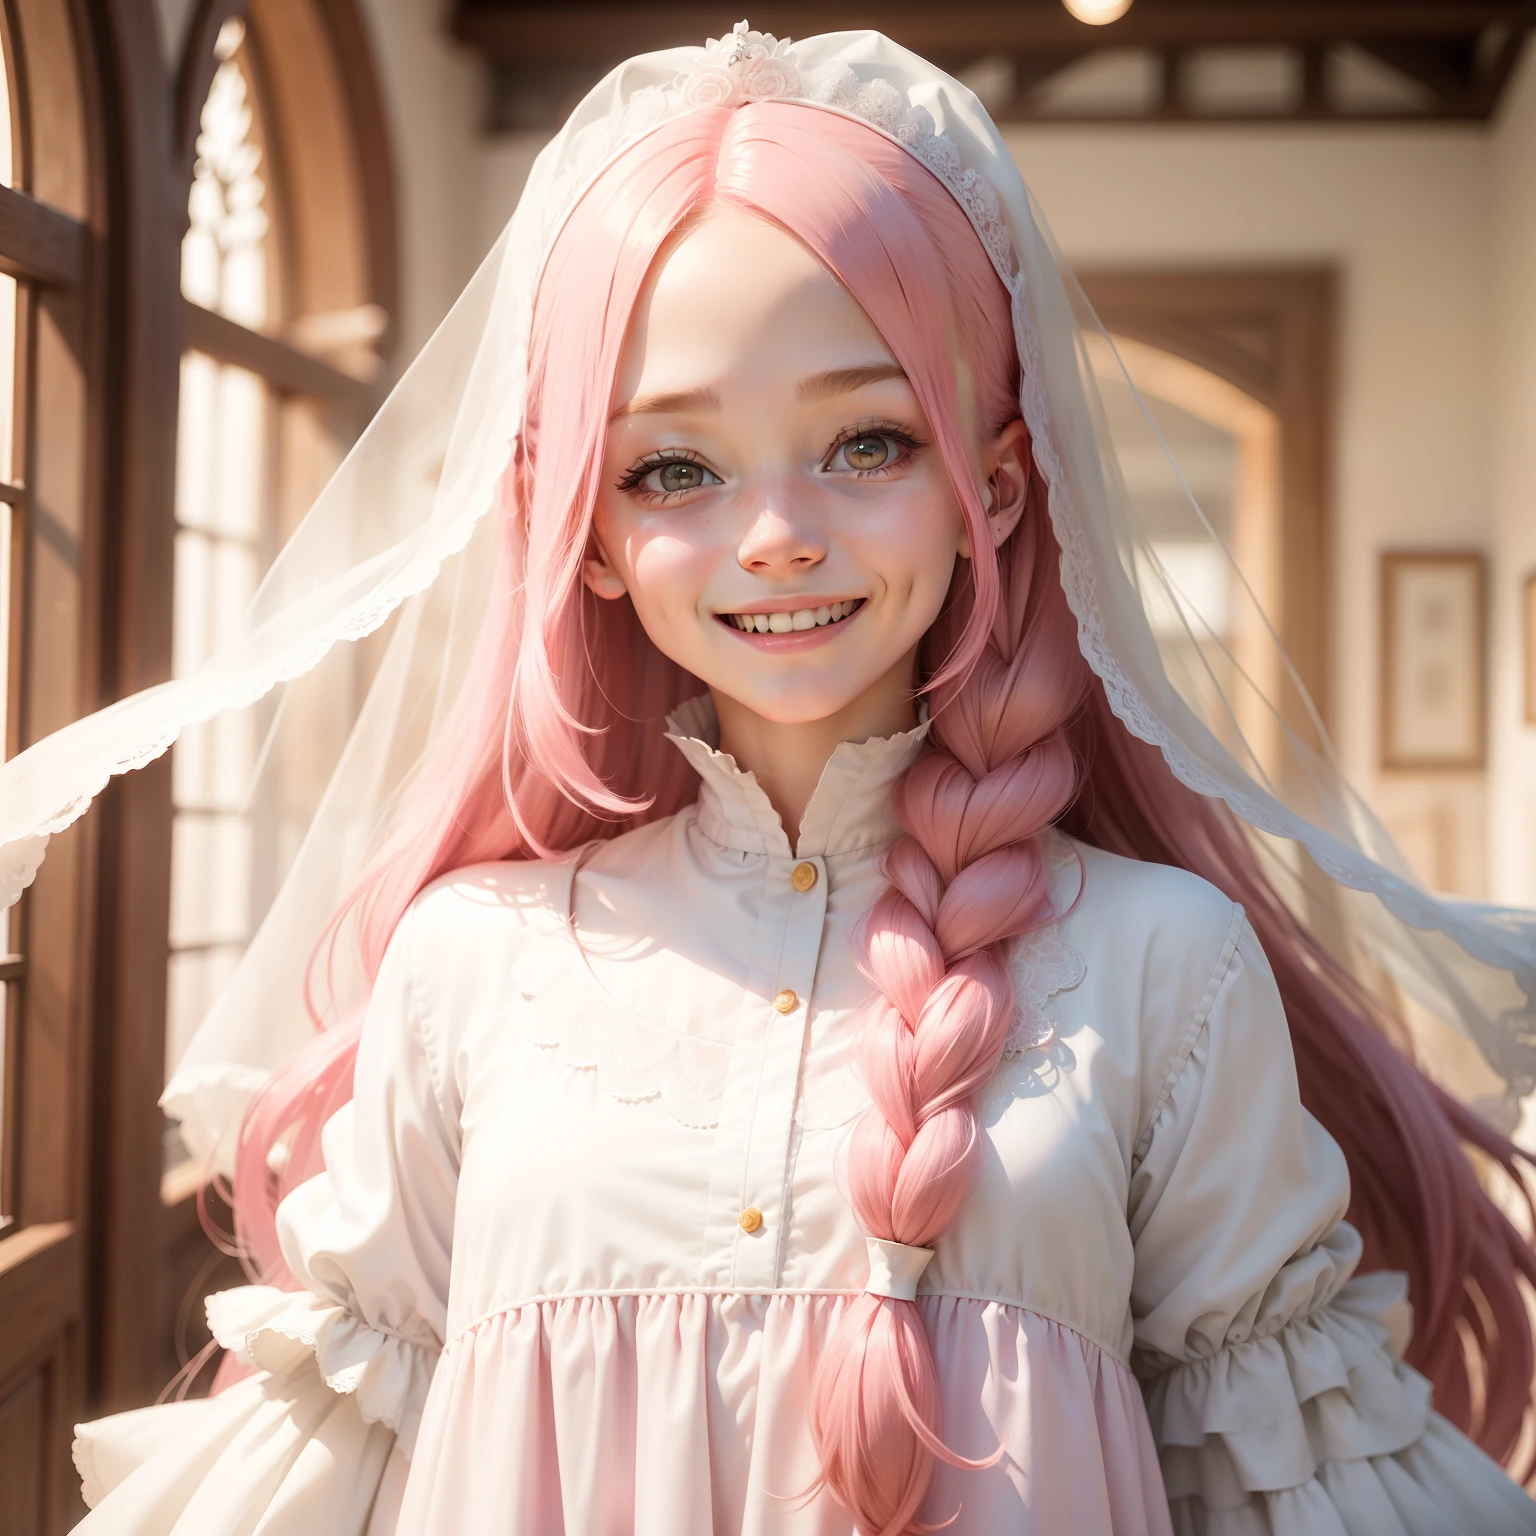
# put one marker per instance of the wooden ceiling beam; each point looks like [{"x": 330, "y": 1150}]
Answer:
[
  {"x": 600, "y": 31},
  {"x": 1448, "y": 67}
]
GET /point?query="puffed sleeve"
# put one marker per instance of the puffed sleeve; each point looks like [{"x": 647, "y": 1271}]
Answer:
[
  {"x": 344, "y": 1364},
  {"x": 1274, "y": 1377}
]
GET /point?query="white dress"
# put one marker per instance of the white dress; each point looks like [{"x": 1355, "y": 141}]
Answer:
[{"x": 533, "y": 1305}]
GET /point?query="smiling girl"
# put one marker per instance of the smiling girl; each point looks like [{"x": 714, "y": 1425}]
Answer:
[{"x": 868, "y": 1100}]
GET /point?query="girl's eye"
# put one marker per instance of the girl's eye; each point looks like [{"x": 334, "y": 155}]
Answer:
[
  {"x": 668, "y": 477},
  {"x": 678, "y": 476},
  {"x": 868, "y": 451}
]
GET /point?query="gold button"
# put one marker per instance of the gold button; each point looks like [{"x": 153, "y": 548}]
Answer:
[
  {"x": 803, "y": 877},
  {"x": 785, "y": 1001},
  {"x": 750, "y": 1219}
]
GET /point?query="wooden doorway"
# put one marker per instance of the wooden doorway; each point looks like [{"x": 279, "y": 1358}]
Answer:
[{"x": 1267, "y": 333}]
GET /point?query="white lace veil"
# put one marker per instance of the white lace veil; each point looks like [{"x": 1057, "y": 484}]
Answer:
[{"x": 402, "y": 531}]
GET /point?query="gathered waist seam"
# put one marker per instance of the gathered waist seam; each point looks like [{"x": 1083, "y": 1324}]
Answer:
[{"x": 643, "y": 1292}]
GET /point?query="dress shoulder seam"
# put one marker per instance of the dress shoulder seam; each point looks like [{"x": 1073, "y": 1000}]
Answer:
[{"x": 1193, "y": 1031}]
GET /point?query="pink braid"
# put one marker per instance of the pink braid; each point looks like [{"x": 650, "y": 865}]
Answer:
[{"x": 966, "y": 879}]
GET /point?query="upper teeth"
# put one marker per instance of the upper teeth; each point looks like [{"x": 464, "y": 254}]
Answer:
[{"x": 800, "y": 618}]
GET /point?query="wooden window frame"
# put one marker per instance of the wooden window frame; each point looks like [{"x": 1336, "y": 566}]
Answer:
[{"x": 52, "y": 224}]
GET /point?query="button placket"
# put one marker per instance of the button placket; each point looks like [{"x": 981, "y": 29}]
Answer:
[{"x": 744, "y": 1228}]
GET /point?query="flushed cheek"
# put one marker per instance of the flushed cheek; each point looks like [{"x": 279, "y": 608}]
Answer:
[{"x": 667, "y": 576}]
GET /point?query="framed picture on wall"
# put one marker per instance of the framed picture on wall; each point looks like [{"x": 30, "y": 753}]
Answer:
[
  {"x": 1434, "y": 684},
  {"x": 1528, "y": 646}
]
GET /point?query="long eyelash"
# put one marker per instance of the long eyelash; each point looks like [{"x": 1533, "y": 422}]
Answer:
[
  {"x": 910, "y": 442},
  {"x": 633, "y": 476}
]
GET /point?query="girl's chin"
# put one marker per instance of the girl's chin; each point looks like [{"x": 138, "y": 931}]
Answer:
[{"x": 791, "y": 705}]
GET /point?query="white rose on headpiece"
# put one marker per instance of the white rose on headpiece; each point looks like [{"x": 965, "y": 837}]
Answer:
[
  {"x": 711, "y": 85},
  {"x": 766, "y": 78},
  {"x": 646, "y": 108}
]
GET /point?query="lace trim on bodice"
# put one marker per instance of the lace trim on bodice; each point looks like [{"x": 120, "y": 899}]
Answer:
[
  {"x": 1044, "y": 963},
  {"x": 636, "y": 1060}
]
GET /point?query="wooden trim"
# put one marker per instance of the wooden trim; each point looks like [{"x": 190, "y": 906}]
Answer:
[
  {"x": 39, "y": 242},
  {"x": 39, "y": 1288},
  {"x": 57, "y": 537},
  {"x": 285, "y": 368},
  {"x": 1392, "y": 561},
  {"x": 13, "y": 967},
  {"x": 146, "y": 213},
  {"x": 352, "y": 49}
]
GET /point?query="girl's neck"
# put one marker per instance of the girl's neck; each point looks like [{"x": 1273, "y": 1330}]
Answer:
[{"x": 787, "y": 759}]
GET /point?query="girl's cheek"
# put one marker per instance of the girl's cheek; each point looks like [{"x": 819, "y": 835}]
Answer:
[{"x": 669, "y": 570}]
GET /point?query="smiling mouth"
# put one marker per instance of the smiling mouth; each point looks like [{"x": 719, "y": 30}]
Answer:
[{"x": 797, "y": 619}]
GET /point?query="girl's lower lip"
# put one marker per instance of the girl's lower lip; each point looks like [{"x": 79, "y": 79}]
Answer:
[{"x": 794, "y": 639}]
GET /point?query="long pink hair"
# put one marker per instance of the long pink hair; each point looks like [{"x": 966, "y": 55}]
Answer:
[{"x": 556, "y": 740}]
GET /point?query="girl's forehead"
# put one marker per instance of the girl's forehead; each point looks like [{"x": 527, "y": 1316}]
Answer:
[{"x": 732, "y": 292}]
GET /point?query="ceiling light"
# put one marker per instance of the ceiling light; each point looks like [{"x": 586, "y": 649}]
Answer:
[{"x": 1097, "y": 12}]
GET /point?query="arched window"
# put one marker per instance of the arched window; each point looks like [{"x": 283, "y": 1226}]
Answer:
[
  {"x": 281, "y": 321},
  {"x": 287, "y": 288}
]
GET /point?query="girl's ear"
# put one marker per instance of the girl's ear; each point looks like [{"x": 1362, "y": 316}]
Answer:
[
  {"x": 599, "y": 574},
  {"x": 1010, "y": 467}
]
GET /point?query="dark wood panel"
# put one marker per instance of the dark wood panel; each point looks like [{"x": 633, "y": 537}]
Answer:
[
  {"x": 39, "y": 242},
  {"x": 24, "y": 1435},
  {"x": 39, "y": 1491},
  {"x": 39, "y": 1290}
]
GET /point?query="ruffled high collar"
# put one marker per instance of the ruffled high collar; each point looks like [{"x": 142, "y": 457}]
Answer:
[{"x": 849, "y": 812}]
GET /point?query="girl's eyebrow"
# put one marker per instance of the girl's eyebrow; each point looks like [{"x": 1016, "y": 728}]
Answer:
[
  {"x": 843, "y": 381},
  {"x": 702, "y": 399}
]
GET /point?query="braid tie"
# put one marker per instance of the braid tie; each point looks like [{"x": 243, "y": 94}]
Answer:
[{"x": 966, "y": 879}]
